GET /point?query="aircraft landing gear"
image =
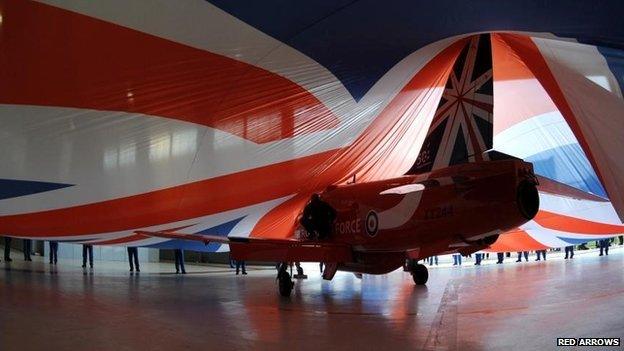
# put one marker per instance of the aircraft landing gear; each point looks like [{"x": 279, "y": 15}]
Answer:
[
  {"x": 419, "y": 272},
  {"x": 285, "y": 283},
  {"x": 300, "y": 274}
]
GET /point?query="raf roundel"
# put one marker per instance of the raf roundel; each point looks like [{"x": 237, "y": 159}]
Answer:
[{"x": 372, "y": 223}]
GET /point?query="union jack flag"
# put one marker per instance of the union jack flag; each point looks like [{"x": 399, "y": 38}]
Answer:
[{"x": 461, "y": 129}]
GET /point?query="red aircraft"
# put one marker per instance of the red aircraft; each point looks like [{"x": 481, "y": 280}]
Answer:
[{"x": 459, "y": 196}]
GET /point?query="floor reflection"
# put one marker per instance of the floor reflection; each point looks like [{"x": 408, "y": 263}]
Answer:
[{"x": 487, "y": 307}]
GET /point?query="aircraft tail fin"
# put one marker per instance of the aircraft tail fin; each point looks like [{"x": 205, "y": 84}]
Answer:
[{"x": 462, "y": 129}]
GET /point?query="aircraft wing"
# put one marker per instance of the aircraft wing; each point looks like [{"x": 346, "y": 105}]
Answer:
[
  {"x": 554, "y": 187},
  {"x": 272, "y": 250},
  {"x": 206, "y": 239}
]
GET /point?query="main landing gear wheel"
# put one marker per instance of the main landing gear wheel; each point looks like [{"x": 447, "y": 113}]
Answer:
[
  {"x": 420, "y": 274},
  {"x": 284, "y": 282}
]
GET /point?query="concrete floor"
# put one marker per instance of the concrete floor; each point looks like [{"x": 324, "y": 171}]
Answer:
[{"x": 511, "y": 306}]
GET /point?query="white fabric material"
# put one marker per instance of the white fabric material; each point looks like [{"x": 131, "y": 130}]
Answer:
[
  {"x": 582, "y": 59},
  {"x": 600, "y": 115}
]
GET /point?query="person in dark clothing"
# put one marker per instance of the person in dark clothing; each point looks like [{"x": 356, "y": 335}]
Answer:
[
  {"x": 540, "y": 253},
  {"x": 478, "y": 257},
  {"x": 240, "y": 264},
  {"x": 526, "y": 256},
  {"x": 53, "y": 252},
  {"x": 318, "y": 218},
  {"x": 457, "y": 259},
  {"x": 569, "y": 251},
  {"x": 179, "y": 261},
  {"x": 7, "y": 249},
  {"x": 621, "y": 238},
  {"x": 500, "y": 256},
  {"x": 87, "y": 250},
  {"x": 27, "y": 249},
  {"x": 321, "y": 264},
  {"x": 604, "y": 246},
  {"x": 133, "y": 254}
]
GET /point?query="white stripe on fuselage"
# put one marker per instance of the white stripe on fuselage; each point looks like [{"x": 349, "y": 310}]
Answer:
[{"x": 401, "y": 213}]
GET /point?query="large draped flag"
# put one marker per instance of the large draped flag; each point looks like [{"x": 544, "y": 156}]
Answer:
[{"x": 223, "y": 117}]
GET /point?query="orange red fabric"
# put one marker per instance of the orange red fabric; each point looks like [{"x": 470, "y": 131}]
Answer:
[
  {"x": 54, "y": 57},
  {"x": 517, "y": 93},
  {"x": 575, "y": 225},
  {"x": 516, "y": 240},
  {"x": 170, "y": 205},
  {"x": 373, "y": 155}
]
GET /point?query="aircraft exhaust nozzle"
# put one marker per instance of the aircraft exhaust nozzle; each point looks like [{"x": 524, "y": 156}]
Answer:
[{"x": 527, "y": 198}]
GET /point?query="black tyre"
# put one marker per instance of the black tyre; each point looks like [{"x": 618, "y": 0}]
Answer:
[
  {"x": 285, "y": 286},
  {"x": 420, "y": 274}
]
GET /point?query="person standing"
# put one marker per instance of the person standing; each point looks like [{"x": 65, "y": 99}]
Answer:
[
  {"x": 569, "y": 251},
  {"x": 621, "y": 238},
  {"x": 526, "y": 256},
  {"x": 87, "y": 250},
  {"x": 540, "y": 253},
  {"x": 321, "y": 264},
  {"x": 133, "y": 253},
  {"x": 27, "y": 247},
  {"x": 432, "y": 260},
  {"x": 53, "y": 252},
  {"x": 500, "y": 256},
  {"x": 457, "y": 259},
  {"x": 179, "y": 261},
  {"x": 478, "y": 258},
  {"x": 604, "y": 246},
  {"x": 7, "y": 249},
  {"x": 240, "y": 264}
]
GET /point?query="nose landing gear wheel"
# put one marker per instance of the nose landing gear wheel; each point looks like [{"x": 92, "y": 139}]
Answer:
[
  {"x": 285, "y": 286},
  {"x": 284, "y": 282},
  {"x": 420, "y": 274}
]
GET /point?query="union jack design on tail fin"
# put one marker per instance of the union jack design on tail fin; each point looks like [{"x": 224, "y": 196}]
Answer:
[{"x": 461, "y": 129}]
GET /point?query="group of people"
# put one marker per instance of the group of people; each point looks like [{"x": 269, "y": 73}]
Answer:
[
  {"x": 133, "y": 255},
  {"x": 27, "y": 250},
  {"x": 87, "y": 255},
  {"x": 603, "y": 245}
]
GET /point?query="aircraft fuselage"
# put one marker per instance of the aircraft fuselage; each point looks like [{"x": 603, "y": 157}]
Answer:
[{"x": 452, "y": 206}]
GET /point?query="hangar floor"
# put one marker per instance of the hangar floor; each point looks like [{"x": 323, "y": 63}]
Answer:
[{"x": 512, "y": 306}]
